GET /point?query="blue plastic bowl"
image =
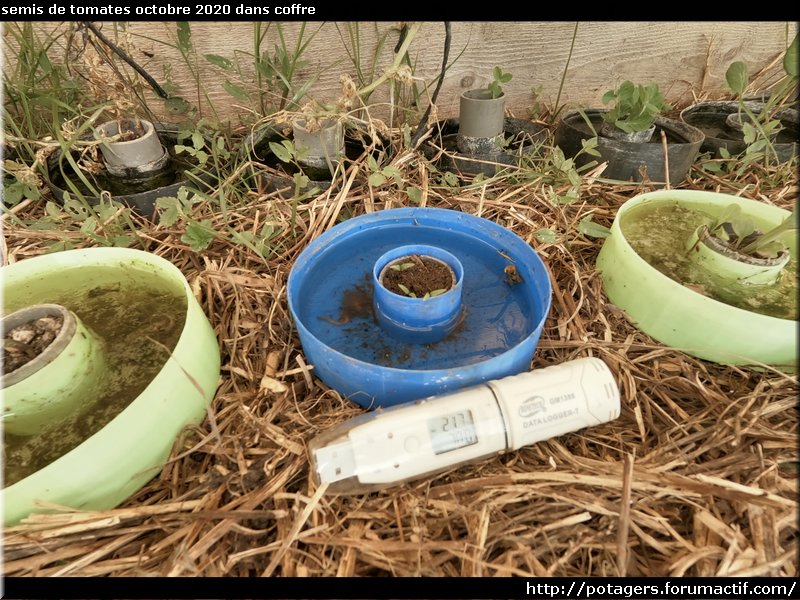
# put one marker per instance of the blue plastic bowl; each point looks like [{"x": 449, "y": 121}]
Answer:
[{"x": 330, "y": 298}]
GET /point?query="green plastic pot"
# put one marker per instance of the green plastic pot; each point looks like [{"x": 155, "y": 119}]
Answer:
[
  {"x": 682, "y": 318},
  {"x": 54, "y": 383},
  {"x": 113, "y": 464},
  {"x": 709, "y": 254}
]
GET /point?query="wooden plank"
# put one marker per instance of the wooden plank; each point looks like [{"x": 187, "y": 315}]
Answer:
[{"x": 683, "y": 58}]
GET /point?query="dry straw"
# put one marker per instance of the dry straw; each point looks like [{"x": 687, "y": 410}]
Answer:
[{"x": 698, "y": 476}]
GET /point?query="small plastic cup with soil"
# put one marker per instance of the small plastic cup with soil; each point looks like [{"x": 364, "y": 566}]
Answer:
[
  {"x": 418, "y": 276},
  {"x": 24, "y": 342},
  {"x": 418, "y": 293},
  {"x": 51, "y": 360}
]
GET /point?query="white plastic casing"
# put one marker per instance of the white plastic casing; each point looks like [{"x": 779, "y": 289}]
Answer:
[{"x": 407, "y": 441}]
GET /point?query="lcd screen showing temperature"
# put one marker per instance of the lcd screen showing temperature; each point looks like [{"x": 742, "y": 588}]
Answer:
[{"x": 452, "y": 431}]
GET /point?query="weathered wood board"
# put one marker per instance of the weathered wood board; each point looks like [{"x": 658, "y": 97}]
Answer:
[{"x": 684, "y": 58}]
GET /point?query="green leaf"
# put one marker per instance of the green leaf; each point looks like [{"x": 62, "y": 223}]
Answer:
[
  {"x": 743, "y": 227},
  {"x": 198, "y": 141},
  {"x": 183, "y": 196},
  {"x": 634, "y": 107},
  {"x": 372, "y": 163},
  {"x": 771, "y": 249},
  {"x": 414, "y": 194},
  {"x": 574, "y": 178},
  {"x": 737, "y": 78},
  {"x": 545, "y": 235},
  {"x": 219, "y": 61},
  {"x": 435, "y": 293},
  {"x": 169, "y": 210},
  {"x": 176, "y": 106},
  {"x": 790, "y": 59},
  {"x": 731, "y": 213},
  {"x": 566, "y": 165},
  {"x": 608, "y": 97},
  {"x": 122, "y": 241},
  {"x": 198, "y": 235},
  {"x": 184, "y": 36},
  {"x": 44, "y": 64},
  {"x": 201, "y": 156},
  {"x": 402, "y": 266},
  {"x": 236, "y": 91},
  {"x": 450, "y": 179},
  {"x": 89, "y": 225},
  {"x": 60, "y": 246},
  {"x": 405, "y": 290},
  {"x": 571, "y": 196},
  {"x": 52, "y": 209},
  {"x": 74, "y": 208},
  {"x": 376, "y": 179},
  {"x": 749, "y": 133},
  {"x": 12, "y": 194},
  {"x": 589, "y": 146},
  {"x": 639, "y": 123},
  {"x": 106, "y": 210},
  {"x": 394, "y": 173},
  {"x": 44, "y": 225},
  {"x": 281, "y": 151},
  {"x": 301, "y": 180},
  {"x": 591, "y": 229}
]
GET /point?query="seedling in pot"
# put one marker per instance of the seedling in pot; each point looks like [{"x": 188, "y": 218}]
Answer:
[
  {"x": 633, "y": 112},
  {"x": 739, "y": 233},
  {"x": 427, "y": 295},
  {"x": 418, "y": 276},
  {"x": 403, "y": 267},
  {"x": 760, "y": 128},
  {"x": 499, "y": 78},
  {"x": 482, "y": 118}
]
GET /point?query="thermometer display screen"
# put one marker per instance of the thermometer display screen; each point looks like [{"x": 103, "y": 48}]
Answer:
[{"x": 452, "y": 431}]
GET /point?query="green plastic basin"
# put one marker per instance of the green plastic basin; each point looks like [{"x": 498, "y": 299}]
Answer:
[
  {"x": 111, "y": 465},
  {"x": 682, "y": 318}
]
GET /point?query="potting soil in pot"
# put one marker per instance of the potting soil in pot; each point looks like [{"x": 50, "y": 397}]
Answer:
[
  {"x": 24, "y": 342},
  {"x": 659, "y": 234},
  {"x": 139, "y": 323},
  {"x": 428, "y": 277},
  {"x": 713, "y": 126}
]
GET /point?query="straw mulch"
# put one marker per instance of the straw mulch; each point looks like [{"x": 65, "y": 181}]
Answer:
[{"x": 698, "y": 475}]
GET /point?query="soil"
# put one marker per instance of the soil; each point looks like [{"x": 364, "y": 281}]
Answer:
[
  {"x": 734, "y": 244},
  {"x": 127, "y": 136},
  {"x": 27, "y": 341},
  {"x": 355, "y": 303},
  {"x": 129, "y": 132},
  {"x": 426, "y": 276}
]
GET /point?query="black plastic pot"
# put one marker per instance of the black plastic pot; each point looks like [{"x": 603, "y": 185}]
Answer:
[
  {"x": 626, "y": 160},
  {"x": 141, "y": 194},
  {"x": 710, "y": 118},
  {"x": 255, "y": 147},
  {"x": 525, "y": 138}
]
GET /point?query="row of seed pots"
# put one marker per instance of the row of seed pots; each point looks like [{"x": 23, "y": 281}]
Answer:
[{"x": 142, "y": 165}]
